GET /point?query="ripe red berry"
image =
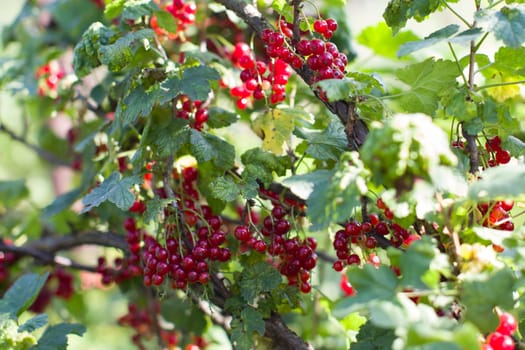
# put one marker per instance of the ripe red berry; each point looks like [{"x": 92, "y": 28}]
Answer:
[
  {"x": 320, "y": 26},
  {"x": 500, "y": 341},
  {"x": 338, "y": 266},
  {"x": 331, "y": 24},
  {"x": 502, "y": 156},
  {"x": 346, "y": 287},
  {"x": 507, "y": 324}
]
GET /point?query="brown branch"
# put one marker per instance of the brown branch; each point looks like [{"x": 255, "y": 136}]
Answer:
[
  {"x": 45, "y": 250},
  {"x": 42, "y": 153},
  {"x": 356, "y": 129}
]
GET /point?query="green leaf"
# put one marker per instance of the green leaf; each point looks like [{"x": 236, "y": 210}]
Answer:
[
  {"x": 154, "y": 207},
  {"x": 195, "y": 83},
  {"x": 12, "y": 192},
  {"x": 483, "y": 292},
  {"x": 509, "y": 61},
  {"x": 445, "y": 34},
  {"x": 266, "y": 160},
  {"x": 399, "y": 152},
  {"x": 371, "y": 284},
  {"x": 501, "y": 182},
  {"x": 335, "y": 194},
  {"x": 207, "y": 147},
  {"x": 138, "y": 103},
  {"x": 118, "y": 55},
  {"x": 55, "y": 337},
  {"x": 61, "y": 203},
  {"x": 113, "y": 9},
  {"x": 135, "y": 9},
  {"x": 507, "y": 24},
  {"x": 225, "y": 189},
  {"x": 350, "y": 86},
  {"x": 257, "y": 279},
  {"x": 422, "y": 265},
  {"x": 113, "y": 189},
  {"x": 371, "y": 337},
  {"x": 398, "y": 12},
  {"x": 170, "y": 137},
  {"x": 166, "y": 21},
  {"x": 427, "y": 80},
  {"x": 219, "y": 117},
  {"x": 22, "y": 294},
  {"x": 492, "y": 235},
  {"x": 275, "y": 128},
  {"x": 84, "y": 13},
  {"x": 239, "y": 337},
  {"x": 382, "y": 41},
  {"x": 326, "y": 144},
  {"x": 34, "y": 323},
  {"x": 253, "y": 320}
]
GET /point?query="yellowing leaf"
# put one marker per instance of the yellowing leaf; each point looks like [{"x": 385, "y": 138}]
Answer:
[
  {"x": 505, "y": 92},
  {"x": 275, "y": 128}
]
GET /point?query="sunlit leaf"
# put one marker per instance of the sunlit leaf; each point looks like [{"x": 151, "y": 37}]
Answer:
[
  {"x": 382, "y": 41},
  {"x": 113, "y": 189}
]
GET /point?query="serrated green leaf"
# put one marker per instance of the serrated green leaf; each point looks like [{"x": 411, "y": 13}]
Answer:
[
  {"x": 371, "y": 337},
  {"x": 253, "y": 321},
  {"x": 509, "y": 61},
  {"x": 171, "y": 137},
  {"x": 350, "y": 86},
  {"x": 113, "y": 189},
  {"x": 34, "y": 323},
  {"x": 398, "y": 12},
  {"x": 120, "y": 53},
  {"x": 445, "y": 34},
  {"x": 501, "y": 182},
  {"x": 13, "y": 191},
  {"x": 420, "y": 265},
  {"x": 154, "y": 207},
  {"x": 207, "y": 147},
  {"x": 267, "y": 160},
  {"x": 257, "y": 279},
  {"x": 507, "y": 24},
  {"x": 114, "y": 8},
  {"x": 239, "y": 337},
  {"x": 195, "y": 83},
  {"x": 275, "y": 128},
  {"x": 335, "y": 194},
  {"x": 219, "y": 117},
  {"x": 136, "y": 9},
  {"x": 482, "y": 292},
  {"x": 55, "y": 337},
  {"x": 382, "y": 41},
  {"x": 138, "y": 103},
  {"x": 22, "y": 294},
  {"x": 371, "y": 284},
  {"x": 326, "y": 144},
  {"x": 225, "y": 189},
  {"x": 427, "y": 80},
  {"x": 399, "y": 152}
]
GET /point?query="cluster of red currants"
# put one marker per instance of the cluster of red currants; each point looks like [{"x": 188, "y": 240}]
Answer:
[
  {"x": 355, "y": 233},
  {"x": 141, "y": 321},
  {"x": 497, "y": 154},
  {"x": 184, "y": 15},
  {"x": 321, "y": 56},
  {"x": 58, "y": 284},
  {"x": 496, "y": 214},
  {"x": 259, "y": 79},
  {"x": 194, "y": 111},
  {"x": 501, "y": 339},
  {"x": 295, "y": 257},
  {"x": 49, "y": 76}
]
